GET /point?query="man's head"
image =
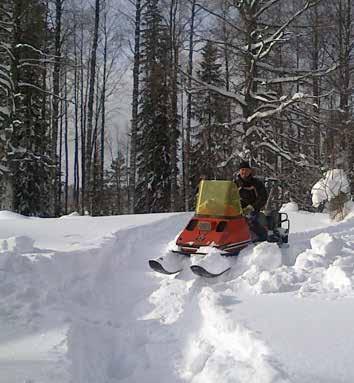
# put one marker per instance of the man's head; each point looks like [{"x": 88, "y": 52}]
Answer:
[{"x": 245, "y": 169}]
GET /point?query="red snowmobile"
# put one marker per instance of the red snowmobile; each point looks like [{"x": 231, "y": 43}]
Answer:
[{"x": 219, "y": 222}]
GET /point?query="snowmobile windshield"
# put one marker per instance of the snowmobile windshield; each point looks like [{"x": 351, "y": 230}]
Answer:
[{"x": 218, "y": 199}]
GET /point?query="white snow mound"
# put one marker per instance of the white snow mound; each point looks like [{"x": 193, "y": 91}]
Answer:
[
  {"x": 309, "y": 260},
  {"x": 336, "y": 279},
  {"x": 325, "y": 244},
  {"x": 324, "y": 249},
  {"x": 266, "y": 256}
]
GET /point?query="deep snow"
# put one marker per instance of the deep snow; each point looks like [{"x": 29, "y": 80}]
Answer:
[{"x": 79, "y": 304}]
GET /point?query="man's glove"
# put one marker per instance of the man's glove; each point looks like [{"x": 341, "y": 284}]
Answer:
[{"x": 248, "y": 210}]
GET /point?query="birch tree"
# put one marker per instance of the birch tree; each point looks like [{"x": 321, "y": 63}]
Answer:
[
  {"x": 90, "y": 109},
  {"x": 55, "y": 103}
]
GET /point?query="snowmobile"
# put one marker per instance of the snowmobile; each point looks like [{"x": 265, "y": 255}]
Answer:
[{"x": 220, "y": 222}]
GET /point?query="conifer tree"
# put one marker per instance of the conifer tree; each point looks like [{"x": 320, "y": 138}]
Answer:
[
  {"x": 210, "y": 141},
  {"x": 30, "y": 161},
  {"x": 116, "y": 187},
  {"x": 7, "y": 102},
  {"x": 153, "y": 154}
]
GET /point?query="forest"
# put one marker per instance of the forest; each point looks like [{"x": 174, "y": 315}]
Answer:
[{"x": 203, "y": 84}]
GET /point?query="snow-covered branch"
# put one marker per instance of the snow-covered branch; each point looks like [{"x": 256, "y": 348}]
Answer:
[
  {"x": 261, "y": 115},
  {"x": 239, "y": 99},
  {"x": 7, "y": 48},
  {"x": 308, "y": 74},
  {"x": 279, "y": 32}
]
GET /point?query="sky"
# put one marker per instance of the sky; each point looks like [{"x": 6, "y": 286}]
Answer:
[{"x": 118, "y": 106}]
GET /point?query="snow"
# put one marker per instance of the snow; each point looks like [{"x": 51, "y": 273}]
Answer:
[
  {"x": 70, "y": 232},
  {"x": 5, "y": 214},
  {"x": 80, "y": 304},
  {"x": 290, "y": 206},
  {"x": 284, "y": 103},
  {"x": 213, "y": 261},
  {"x": 328, "y": 187},
  {"x": 266, "y": 256}
]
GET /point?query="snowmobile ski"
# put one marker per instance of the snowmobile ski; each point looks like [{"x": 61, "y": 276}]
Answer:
[
  {"x": 201, "y": 272},
  {"x": 157, "y": 266}
]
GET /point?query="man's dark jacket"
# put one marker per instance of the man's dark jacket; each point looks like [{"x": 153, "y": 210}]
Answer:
[{"x": 252, "y": 192}]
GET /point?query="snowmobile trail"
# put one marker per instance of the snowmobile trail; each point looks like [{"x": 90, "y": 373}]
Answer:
[
  {"x": 151, "y": 334},
  {"x": 127, "y": 347}
]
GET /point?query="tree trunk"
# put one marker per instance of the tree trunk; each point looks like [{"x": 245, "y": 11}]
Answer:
[
  {"x": 316, "y": 87},
  {"x": 82, "y": 124},
  {"x": 134, "y": 120},
  {"x": 174, "y": 59},
  {"x": 103, "y": 106},
  {"x": 187, "y": 188},
  {"x": 66, "y": 148},
  {"x": 55, "y": 104},
  {"x": 76, "y": 189},
  {"x": 91, "y": 95},
  {"x": 60, "y": 157}
]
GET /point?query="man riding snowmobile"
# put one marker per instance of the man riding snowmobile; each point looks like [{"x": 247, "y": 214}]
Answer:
[
  {"x": 253, "y": 196},
  {"x": 220, "y": 222}
]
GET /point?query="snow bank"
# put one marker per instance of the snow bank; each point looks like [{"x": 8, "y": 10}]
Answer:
[
  {"x": 261, "y": 269},
  {"x": 321, "y": 268},
  {"x": 6, "y": 214}
]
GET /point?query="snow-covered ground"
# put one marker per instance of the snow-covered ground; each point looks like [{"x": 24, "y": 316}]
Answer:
[{"x": 78, "y": 303}]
